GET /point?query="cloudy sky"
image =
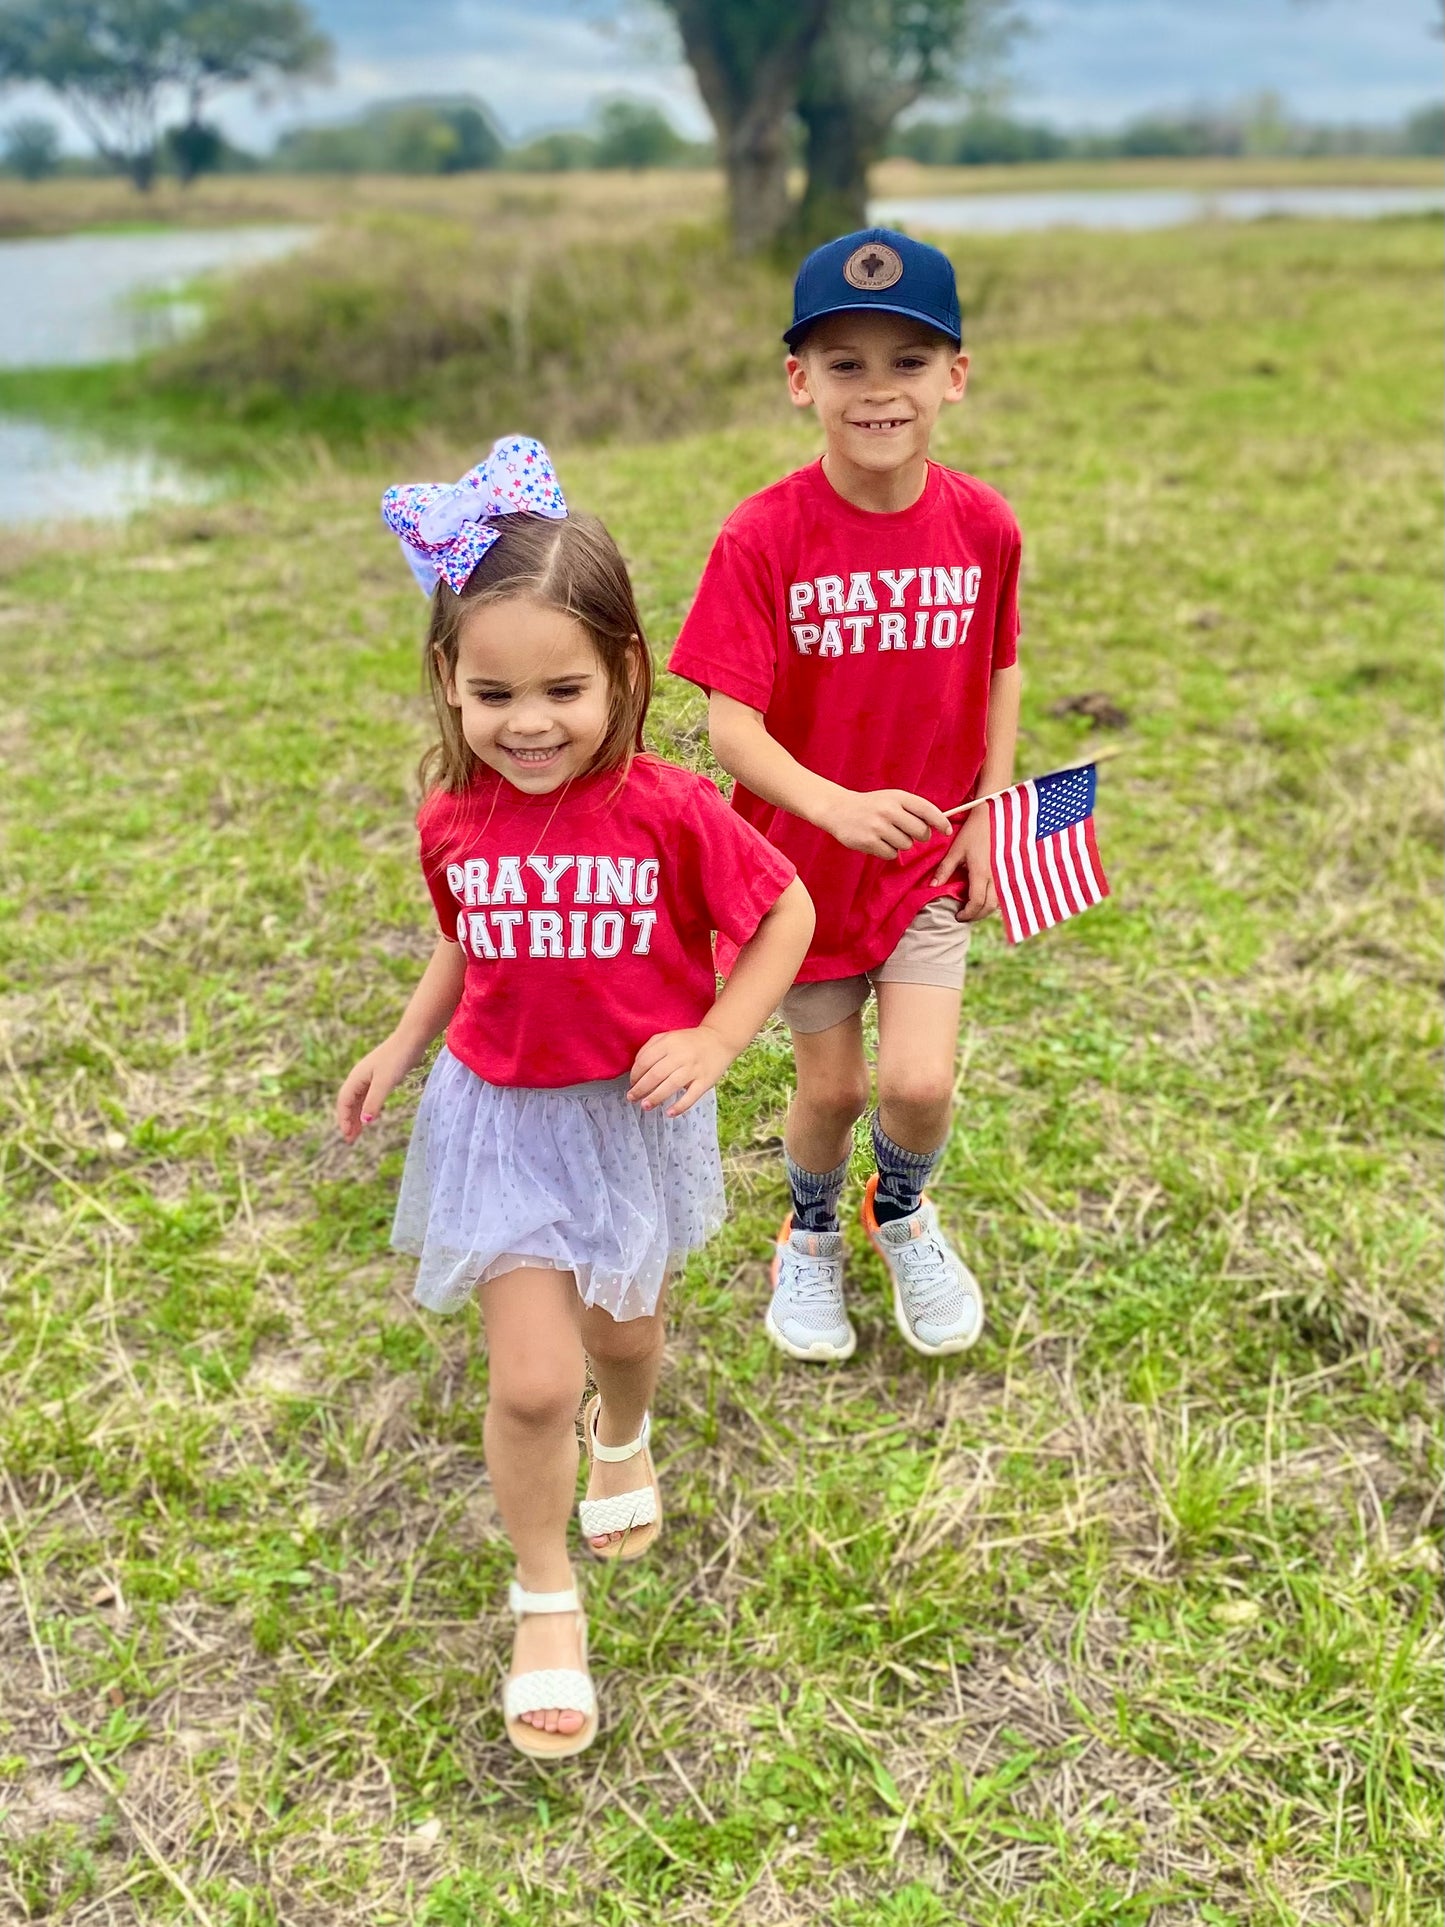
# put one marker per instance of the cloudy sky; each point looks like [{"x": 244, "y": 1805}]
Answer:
[{"x": 546, "y": 63}]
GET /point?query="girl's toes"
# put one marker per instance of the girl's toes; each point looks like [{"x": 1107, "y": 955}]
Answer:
[{"x": 569, "y": 1723}]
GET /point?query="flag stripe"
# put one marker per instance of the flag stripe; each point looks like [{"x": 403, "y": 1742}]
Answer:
[
  {"x": 1023, "y": 835},
  {"x": 1078, "y": 900},
  {"x": 1043, "y": 880}
]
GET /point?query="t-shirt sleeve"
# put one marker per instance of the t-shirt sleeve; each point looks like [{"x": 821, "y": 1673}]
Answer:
[
  {"x": 728, "y": 641},
  {"x": 1006, "y": 616},
  {"x": 736, "y": 872},
  {"x": 433, "y": 824}
]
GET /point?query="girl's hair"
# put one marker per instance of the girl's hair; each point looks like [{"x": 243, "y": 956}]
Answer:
[{"x": 574, "y": 567}]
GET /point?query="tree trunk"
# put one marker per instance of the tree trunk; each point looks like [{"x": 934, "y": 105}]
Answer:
[
  {"x": 748, "y": 57},
  {"x": 755, "y": 158},
  {"x": 141, "y": 167},
  {"x": 842, "y": 139}
]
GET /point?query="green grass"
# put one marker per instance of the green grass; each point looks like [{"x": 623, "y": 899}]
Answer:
[{"x": 1129, "y": 1617}]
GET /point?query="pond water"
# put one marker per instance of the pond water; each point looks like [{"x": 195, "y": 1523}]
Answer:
[
  {"x": 77, "y": 299},
  {"x": 1147, "y": 207}
]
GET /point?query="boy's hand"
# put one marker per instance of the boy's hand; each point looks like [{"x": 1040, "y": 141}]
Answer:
[
  {"x": 369, "y": 1084},
  {"x": 690, "y": 1061},
  {"x": 883, "y": 822},
  {"x": 969, "y": 852}
]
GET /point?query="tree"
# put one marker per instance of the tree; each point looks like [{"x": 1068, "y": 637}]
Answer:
[
  {"x": 635, "y": 134},
  {"x": 874, "y": 59},
  {"x": 114, "y": 62},
  {"x": 31, "y": 147},
  {"x": 748, "y": 57}
]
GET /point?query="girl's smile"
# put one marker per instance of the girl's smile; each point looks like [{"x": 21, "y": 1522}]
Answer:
[{"x": 530, "y": 691}]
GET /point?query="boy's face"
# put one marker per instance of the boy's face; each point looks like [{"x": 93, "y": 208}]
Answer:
[{"x": 878, "y": 382}]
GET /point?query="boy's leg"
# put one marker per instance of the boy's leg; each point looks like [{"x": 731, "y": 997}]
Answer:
[
  {"x": 535, "y": 1372},
  {"x": 831, "y": 1094},
  {"x": 917, "y": 1047},
  {"x": 626, "y": 1358},
  {"x": 937, "y": 1301},
  {"x": 807, "y": 1316}
]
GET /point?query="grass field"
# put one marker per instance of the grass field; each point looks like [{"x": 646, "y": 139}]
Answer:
[
  {"x": 1130, "y": 1618},
  {"x": 59, "y": 207}
]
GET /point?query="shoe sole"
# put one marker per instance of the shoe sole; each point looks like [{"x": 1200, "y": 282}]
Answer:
[
  {"x": 812, "y": 1354},
  {"x": 951, "y": 1347},
  {"x": 805, "y": 1354}
]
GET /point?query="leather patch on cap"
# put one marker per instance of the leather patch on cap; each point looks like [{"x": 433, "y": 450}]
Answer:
[{"x": 874, "y": 265}]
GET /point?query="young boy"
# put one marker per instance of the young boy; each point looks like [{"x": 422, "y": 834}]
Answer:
[{"x": 856, "y": 631}]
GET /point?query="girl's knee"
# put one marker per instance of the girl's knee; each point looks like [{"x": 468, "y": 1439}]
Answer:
[
  {"x": 620, "y": 1341},
  {"x": 537, "y": 1401}
]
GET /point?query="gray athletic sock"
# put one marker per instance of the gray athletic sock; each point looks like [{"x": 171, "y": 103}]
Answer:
[
  {"x": 902, "y": 1176},
  {"x": 815, "y": 1195}
]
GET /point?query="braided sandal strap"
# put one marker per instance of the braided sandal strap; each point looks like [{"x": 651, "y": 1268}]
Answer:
[
  {"x": 619, "y": 1514},
  {"x": 562, "y": 1687}
]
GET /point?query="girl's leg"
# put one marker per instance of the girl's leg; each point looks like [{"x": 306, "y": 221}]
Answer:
[
  {"x": 626, "y": 1358},
  {"x": 536, "y": 1373}
]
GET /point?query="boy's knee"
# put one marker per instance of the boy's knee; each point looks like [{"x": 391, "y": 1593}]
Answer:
[
  {"x": 838, "y": 1101},
  {"x": 914, "y": 1093}
]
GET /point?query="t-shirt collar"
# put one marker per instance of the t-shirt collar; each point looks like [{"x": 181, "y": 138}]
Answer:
[{"x": 839, "y": 505}]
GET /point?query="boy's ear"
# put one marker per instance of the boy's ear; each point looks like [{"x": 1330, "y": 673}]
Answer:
[
  {"x": 957, "y": 377},
  {"x": 798, "y": 391}
]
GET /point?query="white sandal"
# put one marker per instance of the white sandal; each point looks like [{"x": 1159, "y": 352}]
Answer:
[
  {"x": 564, "y": 1687},
  {"x": 637, "y": 1515}
]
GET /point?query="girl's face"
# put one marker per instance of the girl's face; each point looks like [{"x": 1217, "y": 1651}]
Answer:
[{"x": 531, "y": 692}]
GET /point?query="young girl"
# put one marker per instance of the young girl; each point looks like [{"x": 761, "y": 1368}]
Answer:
[{"x": 564, "y": 1156}]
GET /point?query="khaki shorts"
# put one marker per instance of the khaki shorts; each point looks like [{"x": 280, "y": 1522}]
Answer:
[{"x": 932, "y": 950}]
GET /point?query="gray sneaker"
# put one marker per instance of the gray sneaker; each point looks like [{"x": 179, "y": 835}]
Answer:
[
  {"x": 936, "y": 1298},
  {"x": 807, "y": 1318}
]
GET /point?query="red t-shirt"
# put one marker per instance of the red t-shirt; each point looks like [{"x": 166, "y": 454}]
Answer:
[
  {"x": 868, "y": 642},
  {"x": 587, "y": 917}
]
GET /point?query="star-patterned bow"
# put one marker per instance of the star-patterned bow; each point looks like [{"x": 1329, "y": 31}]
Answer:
[{"x": 445, "y": 528}]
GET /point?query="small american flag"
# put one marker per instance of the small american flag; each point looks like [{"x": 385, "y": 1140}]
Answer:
[{"x": 1045, "y": 861}]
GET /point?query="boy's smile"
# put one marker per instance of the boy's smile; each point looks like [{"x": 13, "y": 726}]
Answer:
[{"x": 878, "y": 382}]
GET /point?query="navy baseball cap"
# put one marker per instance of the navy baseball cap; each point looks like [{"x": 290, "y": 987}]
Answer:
[{"x": 876, "y": 268}]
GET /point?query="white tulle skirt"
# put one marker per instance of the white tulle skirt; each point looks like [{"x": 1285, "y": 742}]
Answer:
[{"x": 575, "y": 1179}]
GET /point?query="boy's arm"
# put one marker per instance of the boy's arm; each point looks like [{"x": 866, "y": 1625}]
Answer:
[
  {"x": 877, "y": 822},
  {"x": 969, "y": 850},
  {"x": 692, "y": 1061}
]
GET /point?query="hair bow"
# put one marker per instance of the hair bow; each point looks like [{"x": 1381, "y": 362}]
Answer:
[{"x": 445, "y": 528}]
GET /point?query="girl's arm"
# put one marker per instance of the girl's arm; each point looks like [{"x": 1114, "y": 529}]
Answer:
[
  {"x": 371, "y": 1082},
  {"x": 692, "y": 1061}
]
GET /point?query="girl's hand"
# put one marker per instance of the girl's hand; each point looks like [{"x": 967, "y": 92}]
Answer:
[
  {"x": 370, "y": 1083},
  {"x": 969, "y": 851},
  {"x": 883, "y": 822},
  {"x": 690, "y": 1061}
]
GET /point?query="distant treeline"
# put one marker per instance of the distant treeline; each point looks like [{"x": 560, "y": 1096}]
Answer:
[
  {"x": 454, "y": 135},
  {"x": 448, "y": 135},
  {"x": 1260, "y": 126}
]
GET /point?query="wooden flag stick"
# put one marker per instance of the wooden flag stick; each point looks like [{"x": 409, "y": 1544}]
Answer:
[{"x": 1100, "y": 756}]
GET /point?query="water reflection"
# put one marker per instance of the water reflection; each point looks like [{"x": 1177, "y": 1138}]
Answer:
[
  {"x": 75, "y": 299},
  {"x": 49, "y": 475},
  {"x": 1151, "y": 207}
]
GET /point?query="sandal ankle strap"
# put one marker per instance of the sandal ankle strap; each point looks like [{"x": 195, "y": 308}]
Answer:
[
  {"x": 615, "y": 1454},
  {"x": 521, "y": 1601}
]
